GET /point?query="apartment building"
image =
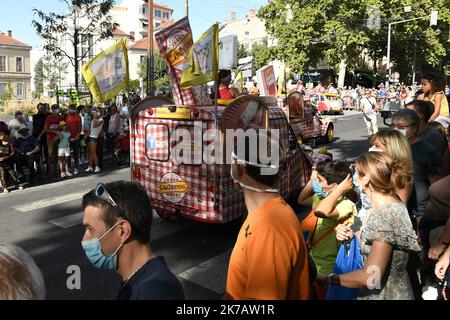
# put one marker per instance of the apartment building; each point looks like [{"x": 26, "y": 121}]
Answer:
[{"x": 15, "y": 72}]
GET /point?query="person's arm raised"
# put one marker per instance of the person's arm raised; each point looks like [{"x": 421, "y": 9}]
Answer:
[{"x": 326, "y": 207}]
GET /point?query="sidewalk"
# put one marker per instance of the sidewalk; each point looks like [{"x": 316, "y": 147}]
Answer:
[{"x": 108, "y": 165}]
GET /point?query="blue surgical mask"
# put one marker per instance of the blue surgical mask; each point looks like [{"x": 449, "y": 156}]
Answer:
[
  {"x": 318, "y": 189},
  {"x": 93, "y": 251},
  {"x": 357, "y": 186}
]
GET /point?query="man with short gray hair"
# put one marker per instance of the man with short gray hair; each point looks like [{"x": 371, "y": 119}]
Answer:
[{"x": 20, "y": 277}]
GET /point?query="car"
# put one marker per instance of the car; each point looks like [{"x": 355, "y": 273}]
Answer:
[
  {"x": 327, "y": 103},
  {"x": 307, "y": 124}
]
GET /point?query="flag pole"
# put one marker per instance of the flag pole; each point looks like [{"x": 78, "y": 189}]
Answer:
[
  {"x": 216, "y": 94},
  {"x": 150, "y": 49}
]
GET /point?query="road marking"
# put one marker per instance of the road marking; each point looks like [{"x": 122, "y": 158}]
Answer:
[
  {"x": 68, "y": 221},
  {"x": 30, "y": 206},
  {"x": 78, "y": 180},
  {"x": 210, "y": 274}
]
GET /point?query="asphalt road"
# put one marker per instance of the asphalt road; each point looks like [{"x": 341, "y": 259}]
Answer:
[{"x": 46, "y": 221}]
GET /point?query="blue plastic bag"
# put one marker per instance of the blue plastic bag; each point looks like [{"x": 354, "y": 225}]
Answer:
[{"x": 348, "y": 259}]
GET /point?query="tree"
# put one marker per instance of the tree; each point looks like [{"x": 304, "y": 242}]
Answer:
[
  {"x": 8, "y": 94},
  {"x": 39, "y": 78},
  {"x": 53, "y": 69},
  {"x": 87, "y": 21},
  {"x": 262, "y": 54},
  {"x": 159, "y": 72},
  {"x": 308, "y": 31},
  {"x": 242, "y": 52}
]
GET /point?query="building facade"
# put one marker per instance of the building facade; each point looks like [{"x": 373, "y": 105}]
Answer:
[
  {"x": 248, "y": 30},
  {"x": 131, "y": 15},
  {"x": 15, "y": 75}
]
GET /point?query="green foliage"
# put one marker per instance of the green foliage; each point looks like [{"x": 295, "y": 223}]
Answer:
[
  {"x": 134, "y": 85},
  {"x": 163, "y": 84},
  {"x": 262, "y": 54},
  {"x": 53, "y": 27},
  {"x": 53, "y": 70},
  {"x": 242, "y": 52},
  {"x": 9, "y": 94},
  {"x": 159, "y": 71},
  {"x": 337, "y": 30},
  {"x": 38, "y": 78}
]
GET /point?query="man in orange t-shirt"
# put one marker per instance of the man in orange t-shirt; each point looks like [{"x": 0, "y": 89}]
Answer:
[{"x": 269, "y": 260}]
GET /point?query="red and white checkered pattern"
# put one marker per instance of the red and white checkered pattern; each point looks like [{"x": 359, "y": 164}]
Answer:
[
  {"x": 168, "y": 39},
  {"x": 203, "y": 201}
]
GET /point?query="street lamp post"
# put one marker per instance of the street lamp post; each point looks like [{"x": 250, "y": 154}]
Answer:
[{"x": 433, "y": 21}]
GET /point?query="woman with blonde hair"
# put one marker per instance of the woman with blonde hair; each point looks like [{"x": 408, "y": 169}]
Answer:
[
  {"x": 394, "y": 143},
  {"x": 387, "y": 236}
]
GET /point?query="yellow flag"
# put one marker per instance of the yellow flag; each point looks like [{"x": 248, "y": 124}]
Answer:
[
  {"x": 107, "y": 74},
  {"x": 203, "y": 60},
  {"x": 281, "y": 79},
  {"x": 239, "y": 81}
]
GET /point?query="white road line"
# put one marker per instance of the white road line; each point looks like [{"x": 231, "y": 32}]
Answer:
[
  {"x": 68, "y": 221},
  {"x": 210, "y": 274},
  {"x": 79, "y": 180},
  {"x": 48, "y": 202}
]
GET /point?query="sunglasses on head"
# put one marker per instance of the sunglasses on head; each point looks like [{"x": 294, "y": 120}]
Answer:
[{"x": 102, "y": 193}]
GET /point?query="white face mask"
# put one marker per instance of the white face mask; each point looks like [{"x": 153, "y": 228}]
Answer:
[
  {"x": 236, "y": 160},
  {"x": 403, "y": 131},
  {"x": 375, "y": 149}
]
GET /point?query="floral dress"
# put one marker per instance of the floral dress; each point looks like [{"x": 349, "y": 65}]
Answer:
[{"x": 390, "y": 224}]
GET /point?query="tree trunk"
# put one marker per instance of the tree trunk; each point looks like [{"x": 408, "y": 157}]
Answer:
[{"x": 75, "y": 48}]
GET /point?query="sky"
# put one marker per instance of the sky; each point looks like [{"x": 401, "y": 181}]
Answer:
[{"x": 17, "y": 15}]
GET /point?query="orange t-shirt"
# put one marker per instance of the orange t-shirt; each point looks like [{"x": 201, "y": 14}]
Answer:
[{"x": 269, "y": 259}]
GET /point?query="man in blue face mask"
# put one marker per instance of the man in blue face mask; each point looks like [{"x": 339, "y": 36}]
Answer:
[{"x": 118, "y": 218}]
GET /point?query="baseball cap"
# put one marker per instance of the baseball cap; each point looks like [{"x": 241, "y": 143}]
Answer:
[{"x": 62, "y": 123}]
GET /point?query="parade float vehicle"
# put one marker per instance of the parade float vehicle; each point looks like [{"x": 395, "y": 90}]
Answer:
[
  {"x": 305, "y": 121},
  {"x": 327, "y": 103},
  {"x": 196, "y": 189}
]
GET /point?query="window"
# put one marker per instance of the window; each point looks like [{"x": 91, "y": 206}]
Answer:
[
  {"x": 157, "y": 24},
  {"x": 247, "y": 33},
  {"x": 165, "y": 15},
  {"x": 3, "y": 88},
  {"x": 20, "y": 91},
  {"x": 157, "y": 142},
  {"x": 158, "y": 13},
  {"x": 143, "y": 58},
  {"x": 19, "y": 64},
  {"x": 85, "y": 48},
  {"x": 2, "y": 63}
]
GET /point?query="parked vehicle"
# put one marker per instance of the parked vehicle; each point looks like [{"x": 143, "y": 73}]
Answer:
[
  {"x": 198, "y": 190},
  {"x": 327, "y": 103},
  {"x": 307, "y": 124}
]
